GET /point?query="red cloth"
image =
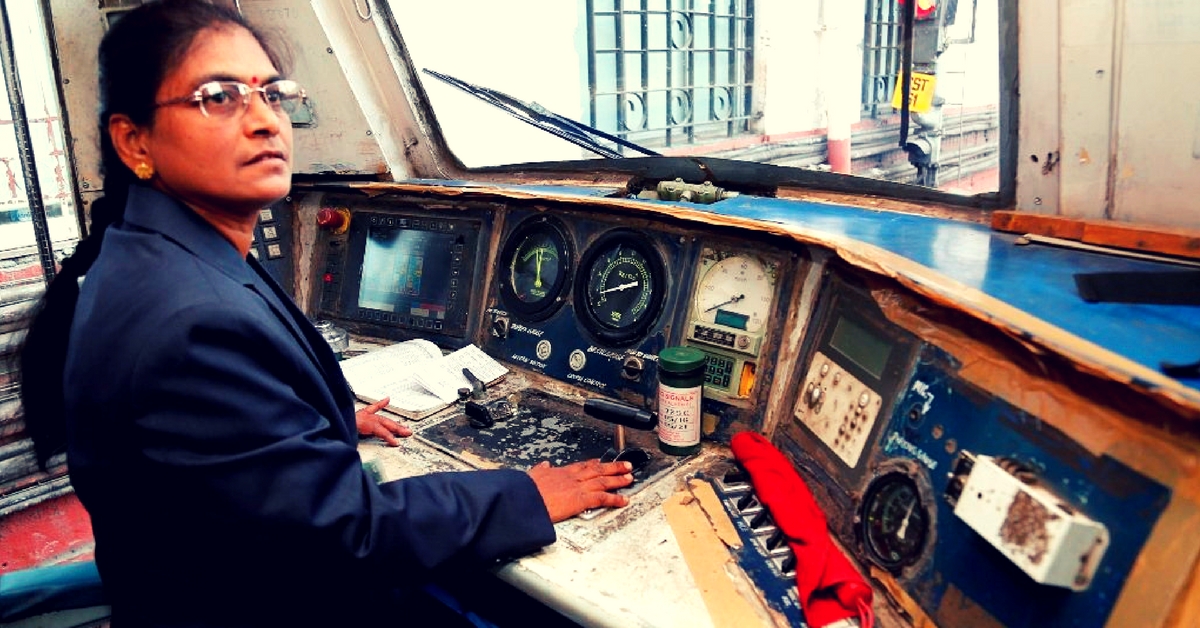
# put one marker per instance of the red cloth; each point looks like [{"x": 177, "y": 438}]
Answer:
[{"x": 830, "y": 588}]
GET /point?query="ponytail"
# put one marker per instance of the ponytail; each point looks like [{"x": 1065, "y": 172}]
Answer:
[{"x": 44, "y": 354}]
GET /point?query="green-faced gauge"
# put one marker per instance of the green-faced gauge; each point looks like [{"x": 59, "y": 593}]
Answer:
[
  {"x": 535, "y": 268},
  {"x": 620, "y": 290}
]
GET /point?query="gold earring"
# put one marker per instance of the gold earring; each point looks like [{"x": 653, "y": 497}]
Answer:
[{"x": 143, "y": 171}]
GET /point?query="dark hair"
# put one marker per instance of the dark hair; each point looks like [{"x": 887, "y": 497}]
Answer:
[{"x": 136, "y": 54}]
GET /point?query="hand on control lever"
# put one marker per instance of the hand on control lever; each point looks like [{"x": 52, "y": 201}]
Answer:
[{"x": 574, "y": 488}]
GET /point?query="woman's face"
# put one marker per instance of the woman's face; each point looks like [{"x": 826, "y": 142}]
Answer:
[{"x": 227, "y": 165}]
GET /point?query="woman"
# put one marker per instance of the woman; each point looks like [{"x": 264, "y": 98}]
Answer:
[{"x": 210, "y": 434}]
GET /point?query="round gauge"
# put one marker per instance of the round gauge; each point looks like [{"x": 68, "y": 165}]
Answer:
[
  {"x": 895, "y": 523},
  {"x": 735, "y": 292},
  {"x": 535, "y": 268},
  {"x": 621, "y": 286}
]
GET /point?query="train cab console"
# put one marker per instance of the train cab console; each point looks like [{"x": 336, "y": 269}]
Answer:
[{"x": 976, "y": 456}]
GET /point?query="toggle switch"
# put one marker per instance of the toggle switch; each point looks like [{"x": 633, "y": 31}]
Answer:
[
  {"x": 776, "y": 539},
  {"x": 760, "y": 519},
  {"x": 746, "y": 502}
]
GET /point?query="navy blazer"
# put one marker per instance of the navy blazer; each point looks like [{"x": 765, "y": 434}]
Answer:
[{"x": 212, "y": 440}]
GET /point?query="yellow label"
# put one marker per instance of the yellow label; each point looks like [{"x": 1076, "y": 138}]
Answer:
[{"x": 920, "y": 98}]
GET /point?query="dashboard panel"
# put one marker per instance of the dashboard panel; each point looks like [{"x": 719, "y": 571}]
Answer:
[
  {"x": 586, "y": 299},
  {"x": 588, "y": 302},
  {"x": 972, "y": 505}
]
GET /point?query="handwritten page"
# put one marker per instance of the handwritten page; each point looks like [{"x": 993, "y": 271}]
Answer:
[
  {"x": 446, "y": 377},
  {"x": 416, "y": 376}
]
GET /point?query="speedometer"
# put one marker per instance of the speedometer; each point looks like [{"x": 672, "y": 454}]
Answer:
[
  {"x": 735, "y": 292},
  {"x": 621, "y": 286}
]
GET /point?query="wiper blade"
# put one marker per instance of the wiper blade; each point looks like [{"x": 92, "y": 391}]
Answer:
[{"x": 532, "y": 113}]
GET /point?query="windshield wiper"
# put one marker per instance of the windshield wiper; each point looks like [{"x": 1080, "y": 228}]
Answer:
[{"x": 575, "y": 132}]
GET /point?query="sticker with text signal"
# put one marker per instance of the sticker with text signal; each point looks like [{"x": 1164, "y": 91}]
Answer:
[{"x": 920, "y": 99}]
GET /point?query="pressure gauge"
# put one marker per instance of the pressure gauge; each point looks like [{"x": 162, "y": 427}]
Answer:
[
  {"x": 620, "y": 290},
  {"x": 735, "y": 292},
  {"x": 536, "y": 268},
  {"x": 894, "y": 521}
]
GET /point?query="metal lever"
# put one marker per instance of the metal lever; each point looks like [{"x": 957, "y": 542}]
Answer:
[
  {"x": 619, "y": 413},
  {"x": 622, "y": 415}
]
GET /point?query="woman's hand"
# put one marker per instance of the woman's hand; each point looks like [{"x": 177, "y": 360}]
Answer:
[
  {"x": 371, "y": 424},
  {"x": 577, "y": 487}
]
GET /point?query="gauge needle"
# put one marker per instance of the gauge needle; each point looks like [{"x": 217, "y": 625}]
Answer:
[
  {"x": 537, "y": 281},
  {"x": 733, "y": 300},
  {"x": 620, "y": 287},
  {"x": 901, "y": 533}
]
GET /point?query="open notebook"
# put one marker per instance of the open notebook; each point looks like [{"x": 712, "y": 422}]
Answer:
[{"x": 417, "y": 377}]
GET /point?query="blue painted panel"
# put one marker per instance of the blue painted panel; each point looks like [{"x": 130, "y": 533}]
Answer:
[
  {"x": 1127, "y": 503},
  {"x": 565, "y": 332}
]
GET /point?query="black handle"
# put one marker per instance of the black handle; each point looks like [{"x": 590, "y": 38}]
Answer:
[{"x": 621, "y": 414}]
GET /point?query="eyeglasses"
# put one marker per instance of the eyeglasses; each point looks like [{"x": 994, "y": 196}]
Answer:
[{"x": 225, "y": 99}]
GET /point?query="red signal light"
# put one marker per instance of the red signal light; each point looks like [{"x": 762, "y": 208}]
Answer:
[{"x": 926, "y": 9}]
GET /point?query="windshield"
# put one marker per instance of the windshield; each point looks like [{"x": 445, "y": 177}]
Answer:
[{"x": 809, "y": 85}]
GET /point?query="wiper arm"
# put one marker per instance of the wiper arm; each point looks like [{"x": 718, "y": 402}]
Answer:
[{"x": 532, "y": 113}]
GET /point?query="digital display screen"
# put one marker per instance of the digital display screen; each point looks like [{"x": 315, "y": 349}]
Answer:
[
  {"x": 731, "y": 319},
  {"x": 407, "y": 272},
  {"x": 861, "y": 345}
]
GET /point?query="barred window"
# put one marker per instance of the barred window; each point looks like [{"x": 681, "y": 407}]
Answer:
[
  {"x": 881, "y": 56},
  {"x": 667, "y": 73}
]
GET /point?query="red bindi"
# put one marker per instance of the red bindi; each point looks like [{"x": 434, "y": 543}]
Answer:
[{"x": 254, "y": 80}]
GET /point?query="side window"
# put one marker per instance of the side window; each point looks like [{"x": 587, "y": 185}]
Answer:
[
  {"x": 35, "y": 176},
  {"x": 665, "y": 73}
]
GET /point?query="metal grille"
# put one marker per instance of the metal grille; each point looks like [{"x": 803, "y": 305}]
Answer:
[
  {"x": 881, "y": 56},
  {"x": 670, "y": 72}
]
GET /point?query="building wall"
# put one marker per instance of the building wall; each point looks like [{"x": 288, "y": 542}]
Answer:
[{"x": 1110, "y": 110}]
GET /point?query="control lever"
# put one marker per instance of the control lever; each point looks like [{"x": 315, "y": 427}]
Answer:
[{"x": 623, "y": 415}]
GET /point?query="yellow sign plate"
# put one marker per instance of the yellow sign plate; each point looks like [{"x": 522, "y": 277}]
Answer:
[{"x": 920, "y": 99}]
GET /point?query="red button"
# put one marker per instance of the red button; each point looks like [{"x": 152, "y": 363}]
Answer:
[{"x": 330, "y": 219}]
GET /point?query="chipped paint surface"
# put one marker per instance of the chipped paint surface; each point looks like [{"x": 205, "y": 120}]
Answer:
[{"x": 621, "y": 568}]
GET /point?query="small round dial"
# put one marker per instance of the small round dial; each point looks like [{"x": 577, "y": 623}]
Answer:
[
  {"x": 536, "y": 268},
  {"x": 735, "y": 292},
  {"x": 895, "y": 522},
  {"x": 621, "y": 287}
]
